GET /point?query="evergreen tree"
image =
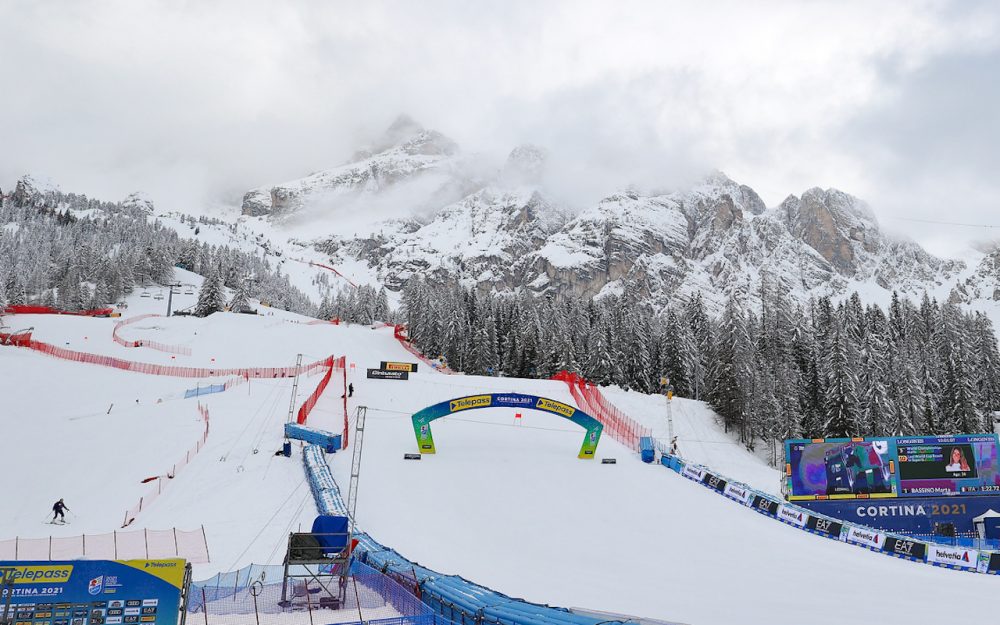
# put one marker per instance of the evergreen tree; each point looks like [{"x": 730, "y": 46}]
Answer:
[{"x": 211, "y": 297}]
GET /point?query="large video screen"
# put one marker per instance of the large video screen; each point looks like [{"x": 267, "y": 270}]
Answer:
[
  {"x": 840, "y": 468},
  {"x": 935, "y": 465},
  {"x": 891, "y": 467}
]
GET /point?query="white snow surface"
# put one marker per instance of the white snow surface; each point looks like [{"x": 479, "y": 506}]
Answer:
[{"x": 508, "y": 506}]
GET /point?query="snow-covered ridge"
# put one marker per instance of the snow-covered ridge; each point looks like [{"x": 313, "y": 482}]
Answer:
[{"x": 506, "y": 232}]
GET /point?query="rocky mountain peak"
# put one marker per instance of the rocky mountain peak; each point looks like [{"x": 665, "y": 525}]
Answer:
[
  {"x": 525, "y": 165},
  {"x": 835, "y": 224}
]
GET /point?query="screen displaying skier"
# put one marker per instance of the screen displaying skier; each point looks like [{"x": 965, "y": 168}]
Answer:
[
  {"x": 935, "y": 465},
  {"x": 840, "y": 468}
]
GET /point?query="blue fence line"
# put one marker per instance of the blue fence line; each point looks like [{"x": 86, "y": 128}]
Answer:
[
  {"x": 324, "y": 488},
  {"x": 329, "y": 440},
  {"x": 204, "y": 390},
  {"x": 881, "y": 541}
]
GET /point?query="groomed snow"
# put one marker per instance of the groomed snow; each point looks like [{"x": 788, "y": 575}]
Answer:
[{"x": 509, "y": 506}]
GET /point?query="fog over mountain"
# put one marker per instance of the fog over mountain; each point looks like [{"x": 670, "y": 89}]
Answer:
[{"x": 194, "y": 105}]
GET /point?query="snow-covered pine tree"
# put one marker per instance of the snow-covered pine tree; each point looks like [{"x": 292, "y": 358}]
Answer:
[
  {"x": 211, "y": 297},
  {"x": 241, "y": 298}
]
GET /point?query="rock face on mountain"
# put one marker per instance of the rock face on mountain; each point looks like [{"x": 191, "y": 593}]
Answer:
[
  {"x": 407, "y": 152},
  {"x": 506, "y": 233}
]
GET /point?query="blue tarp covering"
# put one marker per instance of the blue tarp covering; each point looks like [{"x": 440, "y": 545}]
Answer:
[
  {"x": 646, "y": 450},
  {"x": 332, "y": 532},
  {"x": 313, "y": 436}
]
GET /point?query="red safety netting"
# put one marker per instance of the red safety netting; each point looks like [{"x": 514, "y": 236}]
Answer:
[
  {"x": 17, "y": 340},
  {"x": 159, "y": 482},
  {"x": 23, "y": 309},
  {"x": 163, "y": 347},
  {"x": 399, "y": 332},
  {"x": 138, "y": 545},
  {"x": 333, "y": 365},
  {"x": 181, "y": 372},
  {"x": 588, "y": 396}
]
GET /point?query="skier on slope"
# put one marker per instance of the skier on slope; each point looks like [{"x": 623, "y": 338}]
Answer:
[
  {"x": 350, "y": 390},
  {"x": 57, "y": 509}
]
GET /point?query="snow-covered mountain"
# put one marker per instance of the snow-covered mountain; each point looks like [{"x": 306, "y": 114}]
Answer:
[
  {"x": 424, "y": 163},
  {"x": 506, "y": 232}
]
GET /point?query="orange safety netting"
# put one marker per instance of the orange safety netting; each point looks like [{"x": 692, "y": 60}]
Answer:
[
  {"x": 163, "y": 347},
  {"x": 588, "y": 396},
  {"x": 181, "y": 372},
  {"x": 158, "y": 482}
]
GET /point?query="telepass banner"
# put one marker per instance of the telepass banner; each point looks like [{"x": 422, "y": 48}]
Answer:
[
  {"x": 91, "y": 592},
  {"x": 423, "y": 418}
]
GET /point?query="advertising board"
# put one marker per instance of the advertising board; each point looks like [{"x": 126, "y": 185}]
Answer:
[
  {"x": 953, "y": 556},
  {"x": 792, "y": 516},
  {"x": 908, "y": 548},
  {"x": 943, "y": 465},
  {"x": 765, "y": 505},
  {"x": 865, "y": 536},
  {"x": 92, "y": 592},
  {"x": 879, "y": 468},
  {"x": 409, "y": 367},
  {"x": 382, "y": 374},
  {"x": 714, "y": 481},
  {"x": 840, "y": 468},
  {"x": 824, "y": 526},
  {"x": 908, "y": 516}
]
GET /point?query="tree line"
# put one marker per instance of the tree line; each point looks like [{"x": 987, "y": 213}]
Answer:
[
  {"x": 70, "y": 252},
  {"x": 781, "y": 370}
]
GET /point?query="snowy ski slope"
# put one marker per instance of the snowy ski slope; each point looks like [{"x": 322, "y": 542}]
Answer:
[{"x": 507, "y": 505}]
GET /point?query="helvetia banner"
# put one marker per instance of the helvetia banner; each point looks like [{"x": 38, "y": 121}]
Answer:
[
  {"x": 693, "y": 472},
  {"x": 93, "y": 591},
  {"x": 793, "y": 516},
  {"x": 738, "y": 493},
  {"x": 954, "y": 556},
  {"x": 866, "y": 537}
]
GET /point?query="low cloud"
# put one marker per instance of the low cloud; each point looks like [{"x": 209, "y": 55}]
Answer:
[{"x": 195, "y": 103}]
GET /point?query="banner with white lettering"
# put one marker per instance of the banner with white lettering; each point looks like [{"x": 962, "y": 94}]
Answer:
[
  {"x": 955, "y": 556},
  {"x": 824, "y": 526},
  {"x": 904, "y": 547},
  {"x": 714, "y": 481},
  {"x": 793, "y": 516},
  {"x": 866, "y": 537}
]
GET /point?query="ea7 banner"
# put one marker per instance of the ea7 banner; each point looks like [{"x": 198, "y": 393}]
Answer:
[
  {"x": 422, "y": 419},
  {"x": 88, "y": 592}
]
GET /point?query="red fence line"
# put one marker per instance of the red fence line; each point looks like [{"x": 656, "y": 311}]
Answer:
[
  {"x": 399, "y": 332},
  {"x": 155, "y": 492},
  {"x": 588, "y": 396},
  {"x": 163, "y": 347},
  {"x": 23, "y": 309},
  {"x": 180, "y": 372}
]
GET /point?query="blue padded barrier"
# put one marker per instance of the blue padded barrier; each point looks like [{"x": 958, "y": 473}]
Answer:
[
  {"x": 988, "y": 561},
  {"x": 646, "y": 449},
  {"x": 313, "y": 436}
]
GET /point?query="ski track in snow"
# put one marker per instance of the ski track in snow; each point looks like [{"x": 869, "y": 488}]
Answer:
[{"x": 509, "y": 506}]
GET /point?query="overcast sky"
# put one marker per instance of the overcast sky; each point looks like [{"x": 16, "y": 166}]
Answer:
[{"x": 897, "y": 103}]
